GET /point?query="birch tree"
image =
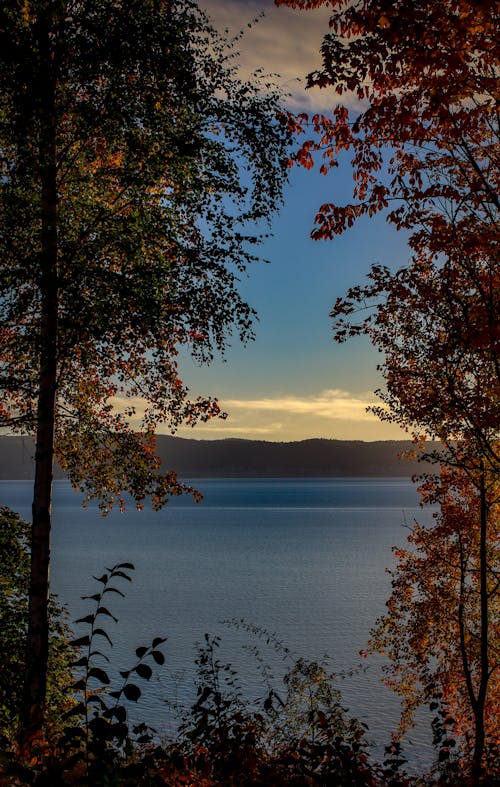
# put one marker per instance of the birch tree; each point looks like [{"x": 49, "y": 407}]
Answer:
[{"x": 135, "y": 168}]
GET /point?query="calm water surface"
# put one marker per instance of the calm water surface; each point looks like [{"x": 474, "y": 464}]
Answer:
[{"x": 304, "y": 559}]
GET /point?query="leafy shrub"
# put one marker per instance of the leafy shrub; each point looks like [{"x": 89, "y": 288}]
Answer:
[
  {"x": 299, "y": 736},
  {"x": 15, "y": 536}
]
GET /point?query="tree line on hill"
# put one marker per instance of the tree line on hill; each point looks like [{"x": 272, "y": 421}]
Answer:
[{"x": 229, "y": 458}]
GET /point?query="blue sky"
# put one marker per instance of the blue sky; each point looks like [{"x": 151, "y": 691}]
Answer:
[{"x": 293, "y": 382}]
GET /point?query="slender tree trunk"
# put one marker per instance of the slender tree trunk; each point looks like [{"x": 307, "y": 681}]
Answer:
[
  {"x": 32, "y": 712},
  {"x": 479, "y": 733},
  {"x": 461, "y": 625}
]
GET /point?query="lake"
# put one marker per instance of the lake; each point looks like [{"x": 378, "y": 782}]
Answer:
[{"x": 302, "y": 558}]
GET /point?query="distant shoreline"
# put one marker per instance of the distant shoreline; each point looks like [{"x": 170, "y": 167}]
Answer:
[{"x": 233, "y": 458}]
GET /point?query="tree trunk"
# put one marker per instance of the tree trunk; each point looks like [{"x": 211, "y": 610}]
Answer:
[
  {"x": 479, "y": 710},
  {"x": 32, "y": 712}
]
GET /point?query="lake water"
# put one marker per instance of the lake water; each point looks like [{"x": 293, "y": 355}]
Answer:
[{"x": 303, "y": 558}]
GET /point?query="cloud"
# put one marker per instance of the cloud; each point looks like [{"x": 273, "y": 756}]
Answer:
[
  {"x": 285, "y": 41},
  {"x": 331, "y": 404},
  {"x": 332, "y": 413},
  {"x": 122, "y": 403},
  {"x": 228, "y": 429}
]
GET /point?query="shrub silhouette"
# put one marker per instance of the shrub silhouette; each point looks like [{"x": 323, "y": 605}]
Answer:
[
  {"x": 15, "y": 535},
  {"x": 298, "y": 736}
]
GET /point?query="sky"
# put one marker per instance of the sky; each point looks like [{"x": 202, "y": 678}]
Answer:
[{"x": 293, "y": 382}]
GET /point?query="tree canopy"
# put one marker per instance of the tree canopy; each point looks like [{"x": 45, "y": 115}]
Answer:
[
  {"x": 416, "y": 105},
  {"x": 415, "y": 101},
  {"x": 136, "y": 167},
  {"x": 128, "y": 121},
  {"x": 432, "y": 631},
  {"x": 436, "y": 323}
]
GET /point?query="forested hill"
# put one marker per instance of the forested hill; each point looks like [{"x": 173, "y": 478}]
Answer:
[{"x": 252, "y": 458}]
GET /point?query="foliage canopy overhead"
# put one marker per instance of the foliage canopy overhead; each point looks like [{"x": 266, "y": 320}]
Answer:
[
  {"x": 424, "y": 134},
  {"x": 163, "y": 163},
  {"x": 420, "y": 118}
]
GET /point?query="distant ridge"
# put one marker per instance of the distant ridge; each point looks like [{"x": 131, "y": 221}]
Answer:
[{"x": 250, "y": 458}]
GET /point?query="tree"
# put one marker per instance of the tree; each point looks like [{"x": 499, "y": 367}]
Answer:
[
  {"x": 433, "y": 631},
  {"x": 424, "y": 139},
  {"x": 425, "y": 142},
  {"x": 135, "y": 168},
  {"x": 437, "y": 325},
  {"x": 438, "y": 328}
]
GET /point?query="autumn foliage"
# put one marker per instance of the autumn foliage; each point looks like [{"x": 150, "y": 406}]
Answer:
[
  {"x": 430, "y": 629},
  {"x": 414, "y": 95},
  {"x": 117, "y": 129},
  {"x": 436, "y": 323}
]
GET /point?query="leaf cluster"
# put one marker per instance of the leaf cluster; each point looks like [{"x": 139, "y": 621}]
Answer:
[
  {"x": 437, "y": 326},
  {"x": 417, "y": 107}
]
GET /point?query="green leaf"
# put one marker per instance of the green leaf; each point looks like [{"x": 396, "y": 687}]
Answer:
[
  {"x": 81, "y": 641},
  {"x": 119, "y": 713},
  {"x": 76, "y": 710},
  {"x": 100, "y": 674},
  {"x": 105, "y": 611},
  {"x": 81, "y": 662},
  {"x": 101, "y": 728},
  {"x": 97, "y": 700},
  {"x": 140, "y": 652},
  {"x": 158, "y": 656},
  {"x": 101, "y": 633},
  {"x": 87, "y": 619},
  {"x": 144, "y": 671},
  {"x": 120, "y": 731},
  {"x": 132, "y": 692},
  {"x": 99, "y": 653},
  {"x": 113, "y": 590},
  {"x": 121, "y": 574}
]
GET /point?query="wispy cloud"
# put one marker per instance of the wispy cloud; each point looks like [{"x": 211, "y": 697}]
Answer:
[
  {"x": 228, "y": 429},
  {"x": 284, "y": 41},
  {"x": 333, "y": 413},
  {"x": 332, "y": 404},
  {"x": 121, "y": 403}
]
